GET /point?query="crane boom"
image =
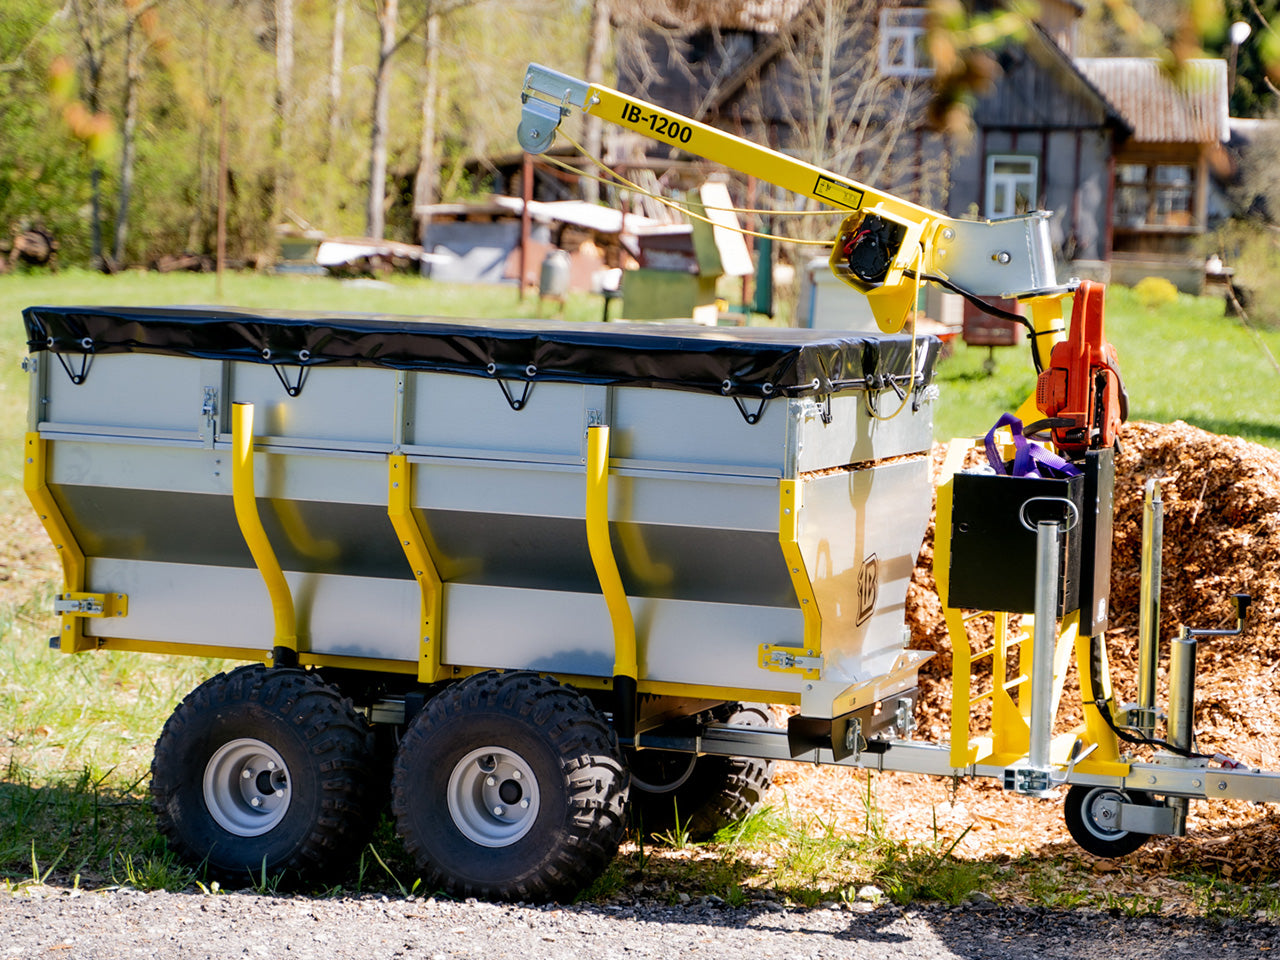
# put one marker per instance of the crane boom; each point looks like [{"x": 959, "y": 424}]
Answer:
[{"x": 884, "y": 244}]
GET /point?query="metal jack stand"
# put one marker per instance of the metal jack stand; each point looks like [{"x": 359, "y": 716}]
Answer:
[
  {"x": 1143, "y": 715},
  {"x": 1036, "y": 778},
  {"x": 1182, "y": 702}
]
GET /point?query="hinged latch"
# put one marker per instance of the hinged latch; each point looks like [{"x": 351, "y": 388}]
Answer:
[
  {"x": 209, "y": 416},
  {"x": 790, "y": 660},
  {"x": 91, "y": 604}
]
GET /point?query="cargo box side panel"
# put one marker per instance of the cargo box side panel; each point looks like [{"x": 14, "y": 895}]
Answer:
[
  {"x": 474, "y": 417},
  {"x": 678, "y": 537},
  {"x": 691, "y": 642},
  {"x": 173, "y": 504},
  {"x": 853, "y": 435},
  {"x": 225, "y": 607},
  {"x": 129, "y": 393},
  {"x": 697, "y": 431},
  {"x": 860, "y": 533},
  {"x": 335, "y": 406}
]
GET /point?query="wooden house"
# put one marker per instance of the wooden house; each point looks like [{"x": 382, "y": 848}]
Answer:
[
  {"x": 1119, "y": 153},
  {"x": 1162, "y": 183}
]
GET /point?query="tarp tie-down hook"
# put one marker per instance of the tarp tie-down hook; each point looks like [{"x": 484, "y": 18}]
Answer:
[
  {"x": 522, "y": 401},
  {"x": 78, "y": 376},
  {"x": 751, "y": 416},
  {"x": 292, "y": 388}
]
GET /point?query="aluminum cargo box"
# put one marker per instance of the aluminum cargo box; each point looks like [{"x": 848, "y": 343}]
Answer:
[{"x": 767, "y": 490}]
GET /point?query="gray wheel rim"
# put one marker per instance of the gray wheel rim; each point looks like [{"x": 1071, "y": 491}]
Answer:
[
  {"x": 247, "y": 787},
  {"x": 1089, "y": 814},
  {"x": 493, "y": 796}
]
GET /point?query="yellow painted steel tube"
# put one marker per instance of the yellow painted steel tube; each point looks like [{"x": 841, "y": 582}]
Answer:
[
  {"x": 71, "y": 638},
  {"x": 606, "y": 565},
  {"x": 247, "y": 516},
  {"x": 414, "y": 543},
  {"x": 790, "y": 497}
]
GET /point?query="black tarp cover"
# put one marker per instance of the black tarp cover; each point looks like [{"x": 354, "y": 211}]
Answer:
[{"x": 735, "y": 361}]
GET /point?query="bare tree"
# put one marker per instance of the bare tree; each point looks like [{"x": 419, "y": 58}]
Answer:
[
  {"x": 97, "y": 30},
  {"x": 597, "y": 45},
  {"x": 388, "y": 16},
  {"x": 390, "y": 40},
  {"x": 284, "y": 104},
  {"x": 824, "y": 97},
  {"x": 806, "y": 79},
  {"x": 128, "y": 135},
  {"x": 426, "y": 184},
  {"x": 100, "y": 25},
  {"x": 337, "y": 54}
]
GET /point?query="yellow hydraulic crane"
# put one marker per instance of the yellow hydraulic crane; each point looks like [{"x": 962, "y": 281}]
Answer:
[{"x": 884, "y": 246}]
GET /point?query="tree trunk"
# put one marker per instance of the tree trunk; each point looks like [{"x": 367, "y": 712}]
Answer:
[
  {"x": 284, "y": 105},
  {"x": 375, "y": 215},
  {"x": 597, "y": 46},
  {"x": 89, "y": 24},
  {"x": 426, "y": 185},
  {"x": 128, "y": 138},
  {"x": 336, "y": 55}
]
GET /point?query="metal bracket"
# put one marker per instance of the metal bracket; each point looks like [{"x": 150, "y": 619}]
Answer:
[
  {"x": 540, "y": 115},
  {"x": 1029, "y": 781},
  {"x": 1140, "y": 818},
  {"x": 209, "y": 416},
  {"x": 91, "y": 604},
  {"x": 789, "y": 660}
]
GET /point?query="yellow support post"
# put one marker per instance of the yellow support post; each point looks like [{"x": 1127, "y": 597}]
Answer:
[
  {"x": 963, "y": 753},
  {"x": 785, "y": 659},
  {"x": 71, "y": 638},
  {"x": 1048, "y": 328},
  {"x": 1105, "y": 758},
  {"x": 626, "y": 668},
  {"x": 284, "y": 650},
  {"x": 414, "y": 543}
]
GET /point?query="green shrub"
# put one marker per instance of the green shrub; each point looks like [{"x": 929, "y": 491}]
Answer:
[
  {"x": 1252, "y": 250},
  {"x": 1155, "y": 292}
]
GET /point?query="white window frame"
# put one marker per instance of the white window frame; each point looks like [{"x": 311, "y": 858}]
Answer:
[
  {"x": 1029, "y": 181},
  {"x": 902, "y": 33}
]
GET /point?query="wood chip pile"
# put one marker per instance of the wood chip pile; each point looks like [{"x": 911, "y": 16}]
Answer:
[{"x": 1221, "y": 536}]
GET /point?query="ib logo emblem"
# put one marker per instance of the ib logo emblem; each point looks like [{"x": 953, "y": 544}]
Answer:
[{"x": 868, "y": 588}]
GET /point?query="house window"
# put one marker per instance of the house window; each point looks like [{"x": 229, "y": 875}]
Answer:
[
  {"x": 1155, "y": 195},
  {"x": 1011, "y": 185},
  {"x": 902, "y": 47}
]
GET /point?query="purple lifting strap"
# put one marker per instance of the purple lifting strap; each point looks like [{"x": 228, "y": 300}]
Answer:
[{"x": 1028, "y": 456}]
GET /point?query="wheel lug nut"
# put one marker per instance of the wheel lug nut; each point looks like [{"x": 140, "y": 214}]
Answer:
[
  {"x": 279, "y": 793},
  {"x": 271, "y": 764},
  {"x": 246, "y": 774},
  {"x": 515, "y": 774},
  {"x": 491, "y": 781},
  {"x": 499, "y": 811},
  {"x": 524, "y": 804},
  {"x": 256, "y": 801}
]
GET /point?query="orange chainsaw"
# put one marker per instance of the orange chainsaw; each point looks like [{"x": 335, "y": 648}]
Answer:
[{"x": 1081, "y": 393}]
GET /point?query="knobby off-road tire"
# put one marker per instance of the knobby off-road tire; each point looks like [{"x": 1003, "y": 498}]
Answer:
[
  {"x": 264, "y": 770},
  {"x": 1091, "y": 830},
  {"x": 719, "y": 791},
  {"x": 510, "y": 786}
]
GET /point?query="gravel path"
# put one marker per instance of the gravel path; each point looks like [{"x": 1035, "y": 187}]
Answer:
[{"x": 123, "y": 924}]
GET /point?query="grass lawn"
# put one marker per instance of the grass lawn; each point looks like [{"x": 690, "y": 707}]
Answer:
[
  {"x": 1185, "y": 361},
  {"x": 76, "y": 732}
]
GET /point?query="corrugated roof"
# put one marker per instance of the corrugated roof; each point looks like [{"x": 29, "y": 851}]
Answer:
[{"x": 1191, "y": 108}]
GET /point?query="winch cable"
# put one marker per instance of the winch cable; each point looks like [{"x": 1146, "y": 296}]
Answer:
[{"x": 619, "y": 180}]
